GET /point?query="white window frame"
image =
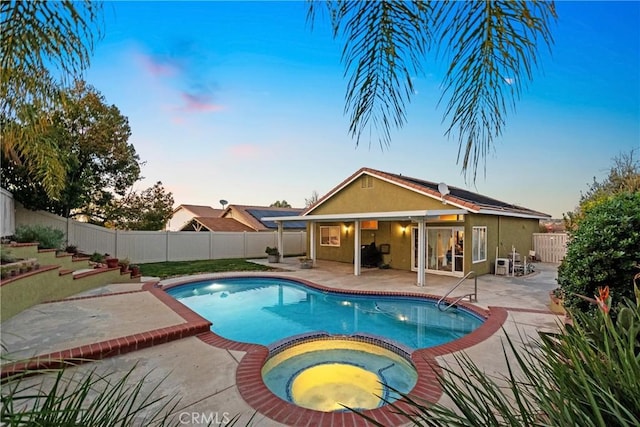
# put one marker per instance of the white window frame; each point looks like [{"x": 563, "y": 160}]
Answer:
[
  {"x": 479, "y": 244},
  {"x": 332, "y": 237}
]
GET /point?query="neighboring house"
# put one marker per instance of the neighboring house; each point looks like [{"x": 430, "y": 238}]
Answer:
[
  {"x": 233, "y": 218},
  {"x": 252, "y": 216},
  {"x": 215, "y": 224},
  {"x": 417, "y": 225},
  {"x": 184, "y": 214}
]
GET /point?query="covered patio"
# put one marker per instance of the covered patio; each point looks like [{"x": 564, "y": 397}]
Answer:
[{"x": 418, "y": 217}]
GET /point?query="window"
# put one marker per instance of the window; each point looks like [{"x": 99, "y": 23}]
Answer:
[
  {"x": 330, "y": 235},
  {"x": 479, "y": 244}
]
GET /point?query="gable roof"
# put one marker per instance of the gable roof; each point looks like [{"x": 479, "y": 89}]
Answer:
[
  {"x": 201, "y": 211},
  {"x": 458, "y": 197},
  {"x": 253, "y": 216},
  {"x": 217, "y": 224}
]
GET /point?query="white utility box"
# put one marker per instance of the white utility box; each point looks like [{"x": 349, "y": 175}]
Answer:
[{"x": 502, "y": 266}]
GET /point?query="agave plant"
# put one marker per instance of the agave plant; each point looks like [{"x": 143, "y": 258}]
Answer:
[{"x": 82, "y": 399}]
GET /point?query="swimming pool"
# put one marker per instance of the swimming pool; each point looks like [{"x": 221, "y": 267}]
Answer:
[{"x": 265, "y": 310}]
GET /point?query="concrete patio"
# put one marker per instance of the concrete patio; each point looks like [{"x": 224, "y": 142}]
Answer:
[{"x": 202, "y": 375}]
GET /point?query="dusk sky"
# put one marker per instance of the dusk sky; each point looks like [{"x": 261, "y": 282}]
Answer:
[{"x": 243, "y": 101}]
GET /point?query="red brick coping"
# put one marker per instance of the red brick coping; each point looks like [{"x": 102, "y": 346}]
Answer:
[{"x": 254, "y": 391}]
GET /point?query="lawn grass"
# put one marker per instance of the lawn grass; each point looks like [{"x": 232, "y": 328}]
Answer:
[{"x": 164, "y": 270}]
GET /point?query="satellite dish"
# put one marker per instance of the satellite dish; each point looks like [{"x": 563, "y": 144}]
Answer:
[
  {"x": 223, "y": 202},
  {"x": 444, "y": 190}
]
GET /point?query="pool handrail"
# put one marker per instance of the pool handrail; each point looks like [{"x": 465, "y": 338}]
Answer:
[{"x": 473, "y": 297}]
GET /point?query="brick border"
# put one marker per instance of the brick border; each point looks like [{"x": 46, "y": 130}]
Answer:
[{"x": 427, "y": 388}]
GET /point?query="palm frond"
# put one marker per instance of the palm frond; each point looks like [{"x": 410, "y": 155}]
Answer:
[
  {"x": 493, "y": 46},
  {"x": 384, "y": 44},
  {"x": 40, "y": 39}
]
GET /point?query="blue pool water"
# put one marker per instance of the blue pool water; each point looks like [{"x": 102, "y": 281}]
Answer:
[{"x": 262, "y": 310}]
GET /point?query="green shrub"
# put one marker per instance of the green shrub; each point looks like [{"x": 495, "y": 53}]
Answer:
[
  {"x": 97, "y": 257},
  {"x": 47, "y": 237},
  {"x": 604, "y": 250},
  {"x": 7, "y": 257}
]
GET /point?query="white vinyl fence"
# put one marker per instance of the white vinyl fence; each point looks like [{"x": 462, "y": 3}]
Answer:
[
  {"x": 159, "y": 246},
  {"x": 7, "y": 207},
  {"x": 550, "y": 247}
]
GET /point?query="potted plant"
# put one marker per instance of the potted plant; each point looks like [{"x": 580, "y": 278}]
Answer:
[
  {"x": 135, "y": 270},
  {"x": 96, "y": 259},
  {"x": 273, "y": 255},
  {"x": 111, "y": 262},
  {"x": 305, "y": 262},
  {"x": 124, "y": 264},
  {"x": 556, "y": 305}
]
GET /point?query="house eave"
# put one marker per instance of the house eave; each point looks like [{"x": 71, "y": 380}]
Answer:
[
  {"x": 514, "y": 214},
  {"x": 391, "y": 215}
]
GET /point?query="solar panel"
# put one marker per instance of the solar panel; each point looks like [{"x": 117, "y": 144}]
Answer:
[{"x": 287, "y": 225}]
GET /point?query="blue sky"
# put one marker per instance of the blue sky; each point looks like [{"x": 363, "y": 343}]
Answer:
[{"x": 243, "y": 101}]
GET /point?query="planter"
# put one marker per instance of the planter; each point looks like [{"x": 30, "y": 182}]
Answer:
[
  {"x": 112, "y": 262},
  {"x": 273, "y": 258},
  {"x": 135, "y": 270},
  {"x": 556, "y": 304}
]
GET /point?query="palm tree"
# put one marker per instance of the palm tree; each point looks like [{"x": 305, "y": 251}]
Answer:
[
  {"x": 40, "y": 39},
  {"x": 491, "y": 47}
]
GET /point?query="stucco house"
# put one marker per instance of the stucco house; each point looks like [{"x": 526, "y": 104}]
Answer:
[
  {"x": 415, "y": 225},
  {"x": 233, "y": 218},
  {"x": 183, "y": 215}
]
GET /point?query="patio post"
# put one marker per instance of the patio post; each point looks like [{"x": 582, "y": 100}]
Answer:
[
  {"x": 356, "y": 248},
  {"x": 421, "y": 252},
  {"x": 312, "y": 241},
  {"x": 280, "y": 241}
]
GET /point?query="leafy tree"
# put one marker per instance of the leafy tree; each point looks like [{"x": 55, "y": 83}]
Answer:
[
  {"x": 604, "y": 250},
  {"x": 148, "y": 210},
  {"x": 491, "y": 47},
  {"x": 624, "y": 175},
  {"x": 99, "y": 163},
  {"x": 38, "y": 39},
  {"x": 280, "y": 204},
  {"x": 312, "y": 199}
]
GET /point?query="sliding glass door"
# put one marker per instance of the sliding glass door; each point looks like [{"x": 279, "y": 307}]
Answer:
[{"x": 444, "y": 250}]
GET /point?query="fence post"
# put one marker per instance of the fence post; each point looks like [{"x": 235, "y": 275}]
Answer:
[
  {"x": 166, "y": 248},
  {"x": 211, "y": 243}
]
